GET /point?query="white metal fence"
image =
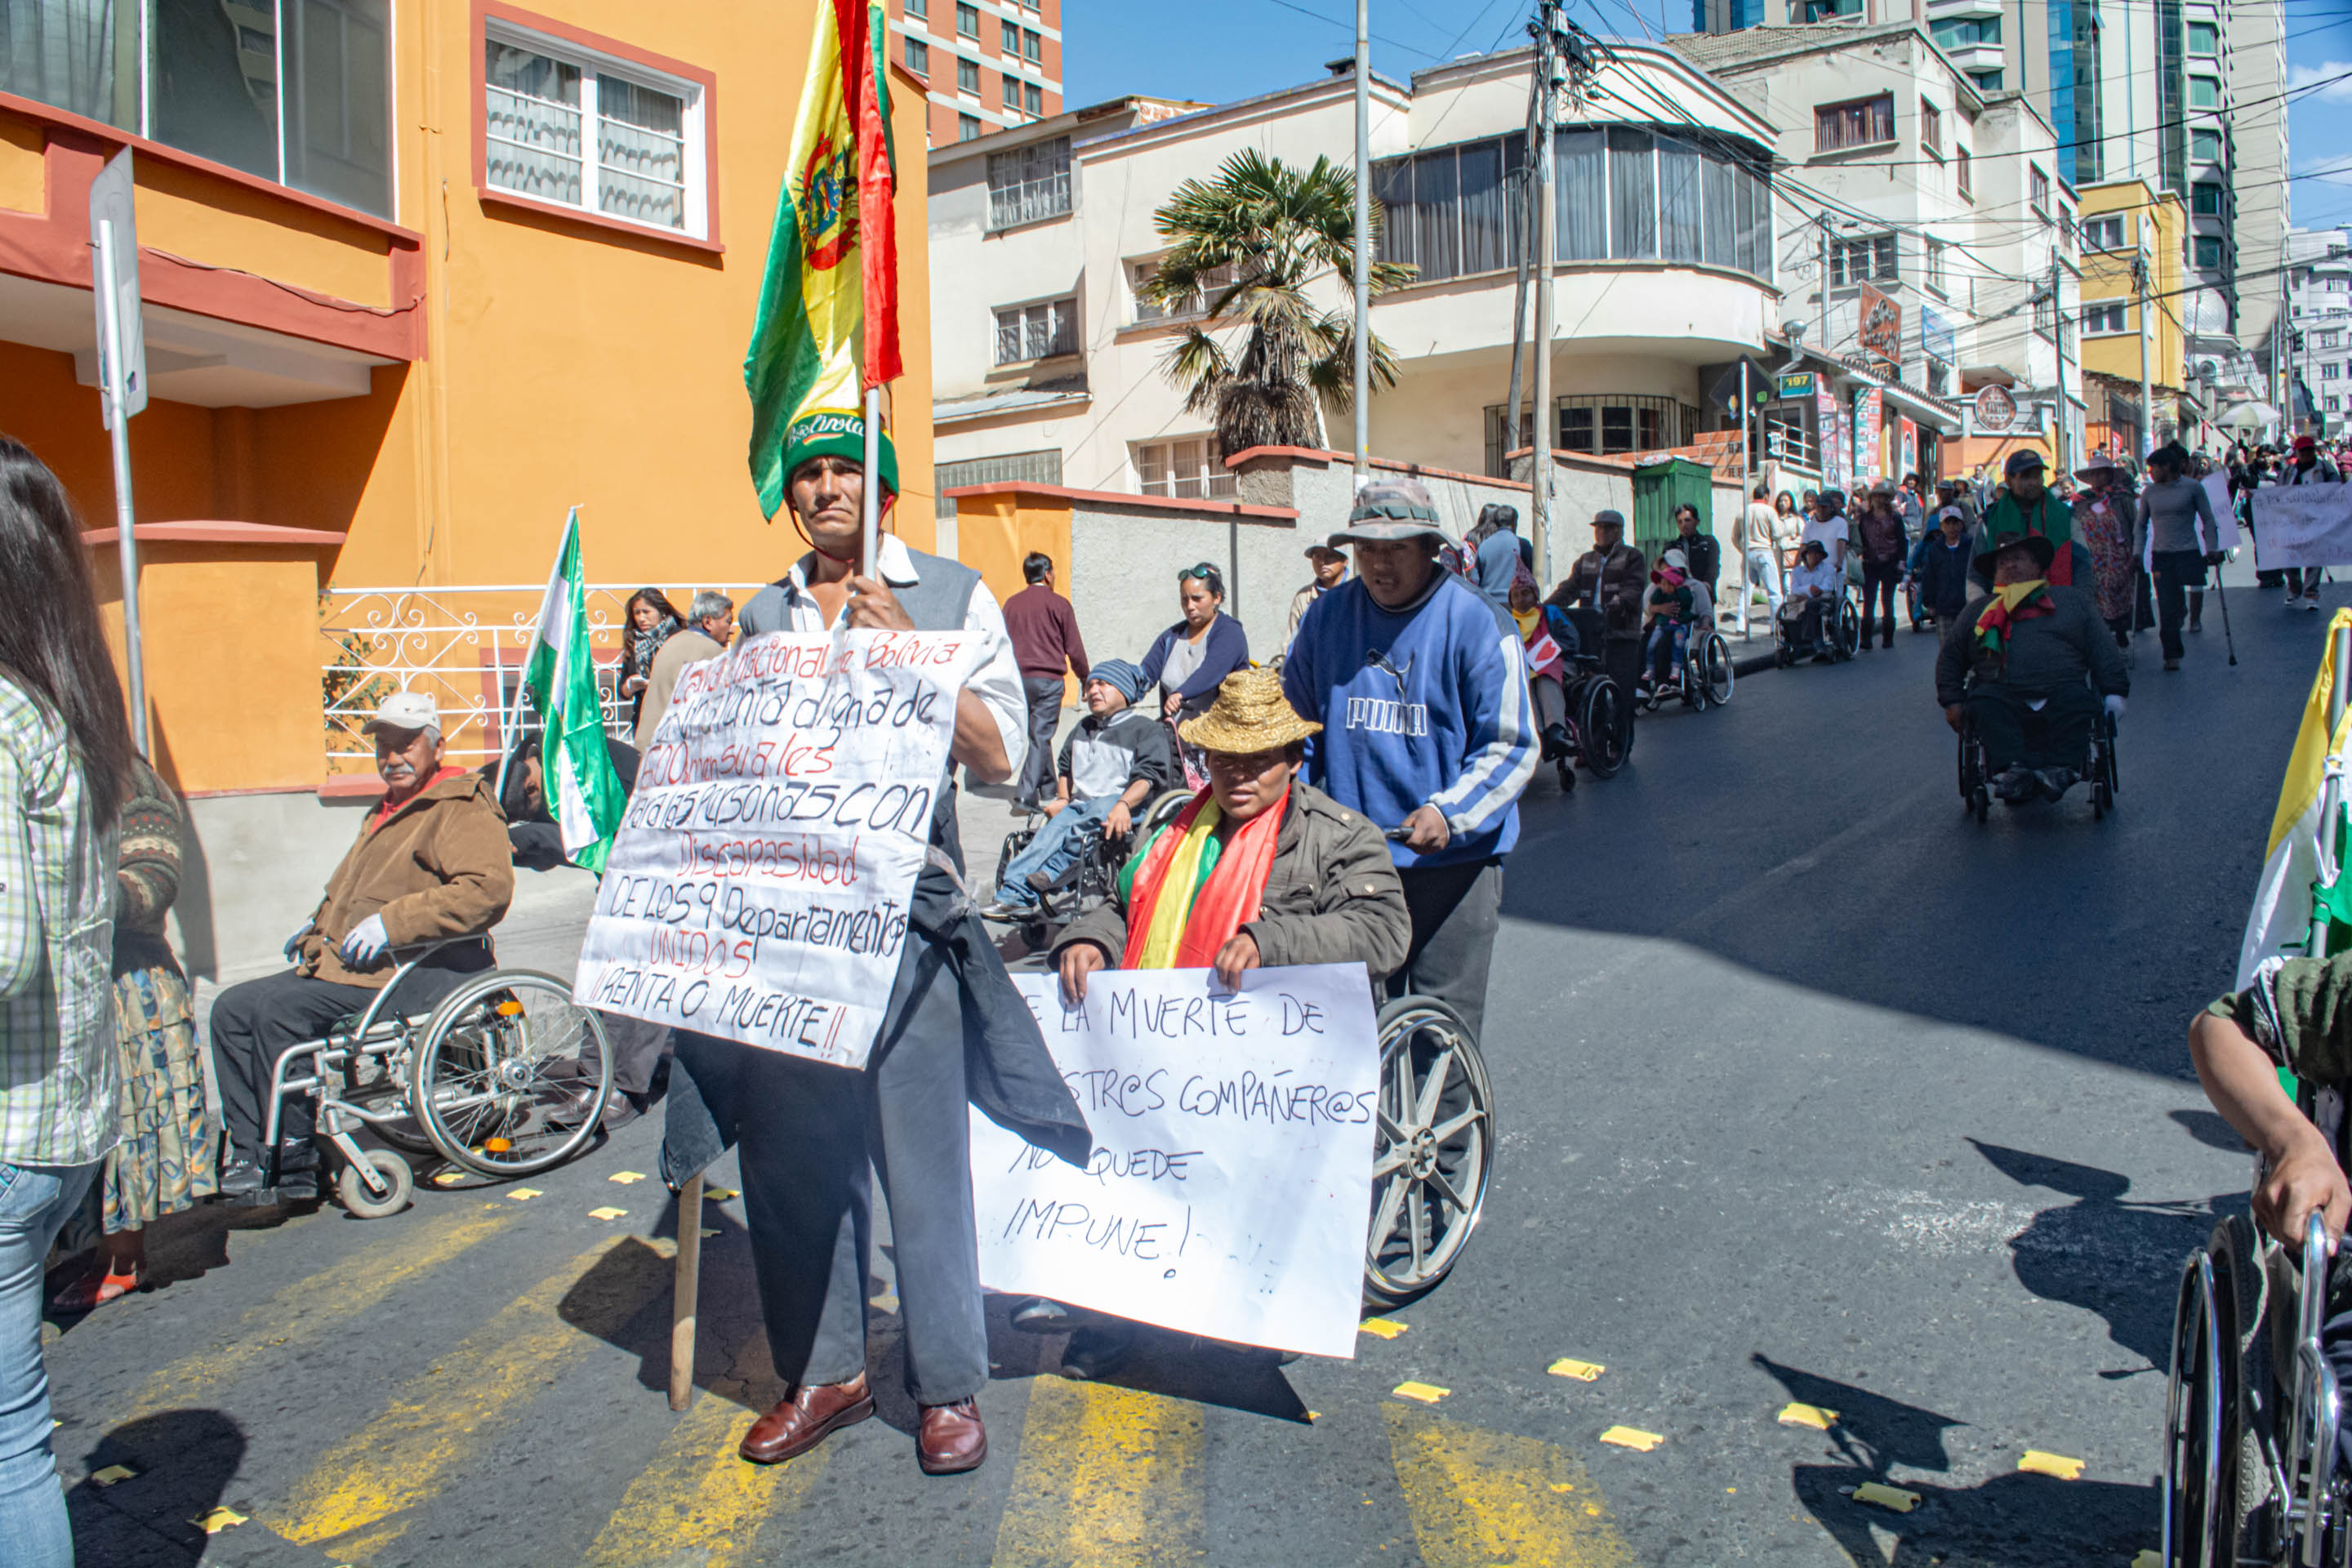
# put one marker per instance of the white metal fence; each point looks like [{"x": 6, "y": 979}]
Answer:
[{"x": 465, "y": 647}]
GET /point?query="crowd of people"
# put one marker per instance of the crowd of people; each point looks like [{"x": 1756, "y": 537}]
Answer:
[{"x": 1354, "y": 800}]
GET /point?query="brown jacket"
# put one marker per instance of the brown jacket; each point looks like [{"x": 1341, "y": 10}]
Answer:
[
  {"x": 1332, "y": 896},
  {"x": 438, "y": 866}
]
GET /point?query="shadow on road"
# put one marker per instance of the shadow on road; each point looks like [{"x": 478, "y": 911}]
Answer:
[
  {"x": 183, "y": 1462},
  {"x": 2103, "y": 1253},
  {"x": 2015, "y": 1520}
]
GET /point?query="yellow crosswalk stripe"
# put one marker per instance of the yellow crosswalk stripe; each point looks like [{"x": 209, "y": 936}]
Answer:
[
  {"x": 697, "y": 1504},
  {"x": 1109, "y": 1477},
  {"x": 327, "y": 1303},
  {"x": 400, "y": 1458},
  {"x": 1481, "y": 1498}
]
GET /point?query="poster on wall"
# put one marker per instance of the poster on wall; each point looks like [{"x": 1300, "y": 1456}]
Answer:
[
  {"x": 1907, "y": 457},
  {"x": 1867, "y": 464}
]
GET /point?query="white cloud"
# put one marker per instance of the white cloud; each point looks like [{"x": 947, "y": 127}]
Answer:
[
  {"x": 2327, "y": 171},
  {"x": 2338, "y": 91}
]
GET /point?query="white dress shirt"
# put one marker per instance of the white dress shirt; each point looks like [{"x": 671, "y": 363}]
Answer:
[{"x": 997, "y": 680}]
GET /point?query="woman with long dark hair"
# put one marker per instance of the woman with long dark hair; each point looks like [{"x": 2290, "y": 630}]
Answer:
[
  {"x": 65, "y": 771},
  {"x": 651, "y": 620}
]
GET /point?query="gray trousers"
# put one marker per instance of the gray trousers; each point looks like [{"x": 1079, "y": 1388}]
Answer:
[
  {"x": 807, "y": 1134},
  {"x": 1455, "y": 909},
  {"x": 1044, "y": 695}
]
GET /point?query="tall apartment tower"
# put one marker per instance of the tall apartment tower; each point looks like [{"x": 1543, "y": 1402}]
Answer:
[
  {"x": 990, "y": 64},
  {"x": 2185, "y": 94}
]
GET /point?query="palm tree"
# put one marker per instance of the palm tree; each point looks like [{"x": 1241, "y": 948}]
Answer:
[{"x": 1256, "y": 240}]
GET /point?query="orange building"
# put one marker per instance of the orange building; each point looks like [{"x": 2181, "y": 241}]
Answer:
[
  {"x": 986, "y": 64},
  {"x": 418, "y": 275}
]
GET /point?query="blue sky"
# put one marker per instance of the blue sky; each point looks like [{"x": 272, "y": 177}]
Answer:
[{"x": 1223, "y": 50}]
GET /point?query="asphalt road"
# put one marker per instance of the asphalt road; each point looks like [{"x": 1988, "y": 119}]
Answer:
[{"x": 1811, "y": 1091}]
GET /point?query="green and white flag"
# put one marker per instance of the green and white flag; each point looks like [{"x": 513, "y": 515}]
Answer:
[{"x": 584, "y": 793}]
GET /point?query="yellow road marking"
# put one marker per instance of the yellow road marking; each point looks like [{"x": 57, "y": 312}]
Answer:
[
  {"x": 1632, "y": 1438},
  {"x": 399, "y": 1460},
  {"x": 311, "y": 1309},
  {"x": 697, "y": 1504},
  {"x": 2038, "y": 1463},
  {"x": 1109, "y": 1477},
  {"x": 1481, "y": 1498}
]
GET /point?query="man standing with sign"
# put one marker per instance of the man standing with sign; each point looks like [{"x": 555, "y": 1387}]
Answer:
[{"x": 807, "y": 1131}]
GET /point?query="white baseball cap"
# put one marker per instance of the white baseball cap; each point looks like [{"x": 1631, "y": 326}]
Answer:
[{"x": 403, "y": 710}]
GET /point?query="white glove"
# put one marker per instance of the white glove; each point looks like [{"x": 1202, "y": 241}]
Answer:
[
  {"x": 367, "y": 942},
  {"x": 294, "y": 943},
  {"x": 2116, "y": 708}
]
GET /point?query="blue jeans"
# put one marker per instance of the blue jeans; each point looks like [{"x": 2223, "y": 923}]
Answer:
[
  {"x": 1668, "y": 639},
  {"x": 1057, "y": 847},
  {"x": 35, "y": 1200}
]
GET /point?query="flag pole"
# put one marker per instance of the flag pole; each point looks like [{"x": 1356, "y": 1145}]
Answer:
[{"x": 870, "y": 510}]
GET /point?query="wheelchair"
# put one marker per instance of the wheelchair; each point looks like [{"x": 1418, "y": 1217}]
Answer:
[
  {"x": 1089, "y": 883},
  {"x": 2252, "y": 1409},
  {"x": 2098, "y": 768},
  {"x": 1594, "y": 706},
  {"x": 479, "y": 1079},
  {"x": 1433, "y": 1153},
  {"x": 1843, "y": 625},
  {"x": 1701, "y": 675}
]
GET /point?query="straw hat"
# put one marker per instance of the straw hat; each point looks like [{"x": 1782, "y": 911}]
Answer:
[{"x": 1250, "y": 714}]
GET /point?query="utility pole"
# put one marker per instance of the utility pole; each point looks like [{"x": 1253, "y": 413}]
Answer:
[
  {"x": 2146, "y": 400},
  {"x": 1548, "y": 82},
  {"x": 1363, "y": 240},
  {"x": 2058, "y": 332},
  {"x": 1523, "y": 181}
]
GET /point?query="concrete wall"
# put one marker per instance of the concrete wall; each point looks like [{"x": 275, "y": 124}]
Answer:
[{"x": 1124, "y": 558}]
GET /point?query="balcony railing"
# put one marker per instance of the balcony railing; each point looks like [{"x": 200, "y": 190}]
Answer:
[{"x": 465, "y": 647}]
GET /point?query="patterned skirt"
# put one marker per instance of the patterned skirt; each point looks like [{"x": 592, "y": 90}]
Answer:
[{"x": 169, "y": 1155}]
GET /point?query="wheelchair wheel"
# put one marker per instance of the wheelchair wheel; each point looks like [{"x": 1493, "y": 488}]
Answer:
[
  {"x": 391, "y": 1171},
  {"x": 1014, "y": 842},
  {"x": 1715, "y": 670},
  {"x": 1432, "y": 1153},
  {"x": 1600, "y": 727},
  {"x": 485, "y": 1085},
  {"x": 1849, "y": 628},
  {"x": 2219, "y": 1400}
]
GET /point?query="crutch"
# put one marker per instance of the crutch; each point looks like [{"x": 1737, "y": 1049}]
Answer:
[{"x": 2222, "y": 595}]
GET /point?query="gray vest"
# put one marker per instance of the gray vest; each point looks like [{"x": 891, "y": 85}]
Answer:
[{"x": 937, "y": 602}]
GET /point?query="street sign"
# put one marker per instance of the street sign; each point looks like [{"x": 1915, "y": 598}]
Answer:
[
  {"x": 1996, "y": 411},
  {"x": 1936, "y": 337},
  {"x": 1795, "y": 385},
  {"x": 110, "y": 209}
]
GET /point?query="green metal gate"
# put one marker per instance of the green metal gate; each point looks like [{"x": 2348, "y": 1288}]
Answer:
[{"x": 1658, "y": 489}]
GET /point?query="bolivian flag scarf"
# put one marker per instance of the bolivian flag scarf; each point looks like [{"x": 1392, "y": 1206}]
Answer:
[
  {"x": 2011, "y": 603},
  {"x": 1189, "y": 895}
]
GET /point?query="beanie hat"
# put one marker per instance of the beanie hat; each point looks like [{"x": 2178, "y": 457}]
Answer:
[
  {"x": 1120, "y": 676},
  {"x": 835, "y": 433}
]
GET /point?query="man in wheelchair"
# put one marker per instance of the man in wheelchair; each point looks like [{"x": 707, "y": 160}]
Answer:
[
  {"x": 1115, "y": 759},
  {"x": 2297, "y": 1015},
  {"x": 1814, "y": 589},
  {"x": 1262, "y": 868},
  {"x": 431, "y": 863},
  {"x": 2030, "y": 665}
]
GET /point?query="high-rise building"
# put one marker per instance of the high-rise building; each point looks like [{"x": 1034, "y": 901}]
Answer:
[
  {"x": 990, "y": 64},
  {"x": 2186, "y": 95}
]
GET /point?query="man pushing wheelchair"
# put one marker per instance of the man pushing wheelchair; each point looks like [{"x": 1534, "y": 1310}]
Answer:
[{"x": 2028, "y": 667}]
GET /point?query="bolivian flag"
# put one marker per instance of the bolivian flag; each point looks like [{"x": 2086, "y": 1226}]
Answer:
[
  {"x": 2302, "y": 874},
  {"x": 833, "y": 258}
]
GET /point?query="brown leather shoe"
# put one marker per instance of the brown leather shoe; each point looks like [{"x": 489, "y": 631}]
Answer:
[
  {"x": 951, "y": 1440},
  {"x": 814, "y": 1412}
]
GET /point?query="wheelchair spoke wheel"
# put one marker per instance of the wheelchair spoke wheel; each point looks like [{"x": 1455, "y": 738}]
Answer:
[
  {"x": 1432, "y": 1153},
  {"x": 1718, "y": 671},
  {"x": 2199, "y": 1422},
  {"x": 499, "y": 1079}
]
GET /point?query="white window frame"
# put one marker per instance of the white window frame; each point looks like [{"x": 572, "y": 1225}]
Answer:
[
  {"x": 694, "y": 205},
  {"x": 1146, "y": 313},
  {"x": 2213, "y": 81},
  {"x": 1009, "y": 208},
  {"x": 1154, "y": 463},
  {"x": 2331, "y": 370},
  {"x": 1869, "y": 248},
  {"x": 1937, "y": 279},
  {"x": 2105, "y": 317},
  {"x": 2096, "y": 232},
  {"x": 1060, "y": 332}
]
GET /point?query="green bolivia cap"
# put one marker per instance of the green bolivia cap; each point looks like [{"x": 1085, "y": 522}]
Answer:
[{"x": 835, "y": 433}]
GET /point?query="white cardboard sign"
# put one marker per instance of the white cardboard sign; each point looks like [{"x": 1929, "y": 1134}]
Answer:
[
  {"x": 758, "y": 888},
  {"x": 2303, "y": 525},
  {"x": 1231, "y": 1182}
]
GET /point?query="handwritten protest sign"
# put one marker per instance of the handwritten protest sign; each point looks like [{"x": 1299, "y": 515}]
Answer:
[
  {"x": 2303, "y": 525},
  {"x": 758, "y": 888},
  {"x": 1231, "y": 1182}
]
